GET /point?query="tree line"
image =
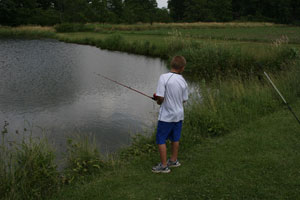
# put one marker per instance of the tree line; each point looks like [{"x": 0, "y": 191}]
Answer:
[
  {"x": 50, "y": 12},
  {"x": 278, "y": 11}
]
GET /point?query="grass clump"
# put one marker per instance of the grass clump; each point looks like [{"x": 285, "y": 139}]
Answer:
[
  {"x": 83, "y": 159},
  {"x": 141, "y": 145},
  {"x": 27, "y": 169},
  {"x": 114, "y": 42}
]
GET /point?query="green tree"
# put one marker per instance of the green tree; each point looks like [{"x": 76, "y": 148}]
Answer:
[
  {"x": 98, "y": 11},
  {"x": 139, "y": 10},
  {"x": 295, "y": 11},
  {"x": 74, "y": 10},
  {"x": 222, "y": 10},
  {"x": 8, "y": 12},
  {"x": 198, "y": 10},
  {"x": 162, "y": 15},
  {"x": 177, "y": 9},
  {"x": 208, "y": 10}
]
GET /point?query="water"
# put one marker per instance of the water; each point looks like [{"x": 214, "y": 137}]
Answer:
[{"x": 50, "y": 85}]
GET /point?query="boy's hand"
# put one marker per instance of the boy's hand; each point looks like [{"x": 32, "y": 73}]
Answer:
[{"x": 155, "y": 97}]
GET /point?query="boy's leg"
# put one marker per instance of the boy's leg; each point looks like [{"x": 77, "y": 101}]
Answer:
[
  {"x": 163, "y": 154},
  {"x": 163, "y": 130},
  {"x": 175, "y": 148},
  {"x": 175, "y": 137}
]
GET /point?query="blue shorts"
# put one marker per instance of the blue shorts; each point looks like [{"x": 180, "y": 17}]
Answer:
[{"x": 168, "y": 130}]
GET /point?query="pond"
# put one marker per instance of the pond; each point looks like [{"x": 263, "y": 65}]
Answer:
[{"x": 51, "y": 87}]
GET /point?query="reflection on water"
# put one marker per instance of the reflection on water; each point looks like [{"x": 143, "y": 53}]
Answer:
[{"x": 52, "y": 85}]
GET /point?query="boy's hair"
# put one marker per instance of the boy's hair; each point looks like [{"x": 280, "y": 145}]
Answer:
[{"x": 178, "y": 62}]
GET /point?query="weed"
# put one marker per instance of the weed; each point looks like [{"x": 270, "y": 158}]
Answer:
[{"x": 83, "y": 159}]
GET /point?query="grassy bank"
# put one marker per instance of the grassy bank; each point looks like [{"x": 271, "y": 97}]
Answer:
[
  {"x": 236, "y": 109},
  {"x": 207, "y": 58},
  {"x": 257, "y": 161},
  {"x": 256, "y": 157}
]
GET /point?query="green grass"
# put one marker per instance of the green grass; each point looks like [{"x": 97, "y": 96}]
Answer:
[
  {"x": 256, "y": 156},
  {"x": 250, "y": 34},
  {"x": 253, "y": 32},
  {"x": 258, "y": 161}
]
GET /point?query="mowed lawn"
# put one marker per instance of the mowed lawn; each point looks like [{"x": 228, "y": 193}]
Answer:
[{"x": 259, "y": 161}]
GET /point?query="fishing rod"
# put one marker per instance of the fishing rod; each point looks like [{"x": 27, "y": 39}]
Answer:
[
  {"x": 283, "y": 99},
  {"x": 130, "y": 88}
]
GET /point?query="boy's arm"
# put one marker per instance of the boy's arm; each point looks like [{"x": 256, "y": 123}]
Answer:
[{"x": 160, "y": 91}]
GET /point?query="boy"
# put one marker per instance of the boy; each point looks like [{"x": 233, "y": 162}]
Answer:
[{"x": 172, "y": 92}]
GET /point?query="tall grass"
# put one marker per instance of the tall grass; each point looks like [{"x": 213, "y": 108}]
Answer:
[
  {"x": 27, "y": 32},
  {"x": 27, "y": 169},
  {"x": 83, "y": 159},
  {"x": 227, "y": 105},
  {"x": 223, "y": 61}
]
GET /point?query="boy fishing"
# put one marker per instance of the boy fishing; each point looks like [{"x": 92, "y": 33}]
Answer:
[{"x": 171, "y": 93}]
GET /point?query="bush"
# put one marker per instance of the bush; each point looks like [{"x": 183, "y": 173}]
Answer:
[{"x": 114, "y": 42}]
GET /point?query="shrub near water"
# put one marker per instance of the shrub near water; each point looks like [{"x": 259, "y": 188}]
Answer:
[
  {"x": 36, "y": 173},
  {"x": 27, "y": 169},
  {"x": 83, "y": 159}
]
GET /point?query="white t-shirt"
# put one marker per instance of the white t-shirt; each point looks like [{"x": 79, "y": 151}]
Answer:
[{"x": 174, "y": 89}]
